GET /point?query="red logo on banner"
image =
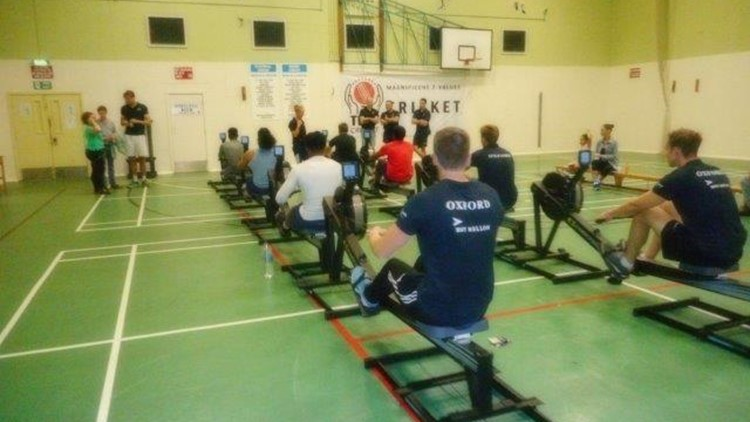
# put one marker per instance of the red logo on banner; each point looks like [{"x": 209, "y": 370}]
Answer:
[
  {"x": 635, "y": 72},
  {"x": 185, "y": 72}
]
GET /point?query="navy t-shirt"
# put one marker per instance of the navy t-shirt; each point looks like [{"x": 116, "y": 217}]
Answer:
[
  {"x": 346, "y": 148},
  {"x": 138, "y": 112},
  {"x": 703, "y": 196},
  {"x": 496, "y": 168},
  {"x": 455, "y": 224}
]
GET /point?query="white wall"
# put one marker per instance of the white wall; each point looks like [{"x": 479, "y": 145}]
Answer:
[{"x": 506, "y": 96}]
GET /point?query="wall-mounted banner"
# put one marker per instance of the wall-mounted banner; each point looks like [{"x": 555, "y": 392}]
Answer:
[
  {"x": 264, "y": 91},
  {"x": 295, "y": 85},
  {"x": 445, "y": 98}
]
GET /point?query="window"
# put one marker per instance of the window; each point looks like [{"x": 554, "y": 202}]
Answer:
[
  {"x": 360, "y": 36},
  {"x": 269, "y": 34},
  {"x": 514, "y": 41},
  {"x": 435, "y": 39},
  {"x": 166, "y": 31}
]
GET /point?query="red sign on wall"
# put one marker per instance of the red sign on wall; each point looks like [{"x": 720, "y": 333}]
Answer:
[
  {"x": 184, "y": 72},
  {"x": 42, "y": 72}
]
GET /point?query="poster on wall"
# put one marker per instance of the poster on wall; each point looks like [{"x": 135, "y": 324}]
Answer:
[
  {"x": 264, "y": 91},
  {"x": 295, "y": 85},
  {"x": 445, "y": 98}
]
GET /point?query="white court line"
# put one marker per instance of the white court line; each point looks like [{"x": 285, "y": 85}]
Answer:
[
  {"x": 175, "y": 217},
  {"x": 165, "y": 195},
  {"x": 55, "y": 349},
  {"x": 143, "y": 207},
  {"x": 29, "y": 297},
  {"x": 189, "y": 248},
  {"x": 112, "y": 223},
  {"x": 518, "y": 280},
  {"x": 109, "y": 380},
  {"x": 173, "y": 223},
  {"x": 91, "y": 212},
  {"x": 183, "y": 187},
  {"x": 160, "y": 242}
]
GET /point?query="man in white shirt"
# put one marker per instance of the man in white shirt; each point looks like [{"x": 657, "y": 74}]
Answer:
[{"x": 316, "y": 177}]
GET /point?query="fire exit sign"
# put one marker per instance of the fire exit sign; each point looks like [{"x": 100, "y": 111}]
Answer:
[{"x": 42, "y": 85}]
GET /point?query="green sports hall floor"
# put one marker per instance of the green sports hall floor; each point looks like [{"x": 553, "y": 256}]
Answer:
[{"x": 150, "y": 305}]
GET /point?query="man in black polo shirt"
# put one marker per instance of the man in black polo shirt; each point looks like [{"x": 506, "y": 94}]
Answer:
[
  {"x": 298, "y": 130},
  {"x": 368, "y": 118},
  {"x": 692, "y": 210},
  {"x": 495, "y": 166},
  {"x": 455, "y": 222},
  {"x": 345, "y": 146},
  {"x": 134, "y": 117},
  {"x": 421, "y": 118},
  {"x": 389, "y": 118}
]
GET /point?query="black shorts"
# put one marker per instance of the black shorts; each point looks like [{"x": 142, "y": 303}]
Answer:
[
  {"x": 680, "y": 244},
  {"x": 604, "y": 167},
  {"x": 421, "y": 140}
]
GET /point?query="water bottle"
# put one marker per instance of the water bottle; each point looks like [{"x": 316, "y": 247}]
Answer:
[{"x": 267, "y": 261}]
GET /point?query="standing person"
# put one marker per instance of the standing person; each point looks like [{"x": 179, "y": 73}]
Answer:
[
  {"x": 389, "y": 119},
  {"x": 496, "y": 167},
  {"x": 298, "y": 130},
  {"x": 109, "y": 134},
  {"x": 455, "y": 222},
  {"x": 345, "y": 146},
  {"x": 605, "y": 162},
  {"x": 259, "y": 163},
  {"x": 368, "y": 118},
  {"x": 692, "y": 212},
  {"x": 230, "y": 153},
  {"x": 421, "y": 118},
  {"x": 397, "y": 165},
  {"x": 134, "y": 117},
  {"x": 745, "y": 208},
  {"x": 317, "y": 177},
  {"x": 92, "y": 132}
]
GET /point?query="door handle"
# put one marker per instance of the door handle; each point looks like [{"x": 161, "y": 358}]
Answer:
[{"x": 54, "y": 141}]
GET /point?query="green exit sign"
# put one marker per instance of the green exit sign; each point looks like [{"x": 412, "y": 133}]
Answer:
[{"x": 42, "y": 85}]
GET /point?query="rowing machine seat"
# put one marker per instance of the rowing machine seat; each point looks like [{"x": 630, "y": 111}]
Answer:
[{"x": 461, "y": 335}]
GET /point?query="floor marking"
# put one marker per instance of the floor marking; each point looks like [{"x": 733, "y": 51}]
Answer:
[
  {"x": 173, "y": 223},
  {"x": 143, "y": 207},
  {"x": 29, "y": 297},
  {"x": 91, "y": 212},
  {"x": 189, "y": 248},
  {"x": 160, "y": 242},
  {"x": 55, "y": 349},
  {"x": 112, "y": 223},
  {"x": 190, "y": 216},
  {"x": 518, "y": 280},
  {"x": 183, "y": 187},
  {"x": 109, "y": 380},
  {"x": 28, "y": 217},
  {"x": 164, "y": 195}
]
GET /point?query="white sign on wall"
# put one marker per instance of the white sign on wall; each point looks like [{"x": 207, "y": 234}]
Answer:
[
  {"x": 295, "y": 84},
  {"x": 264, "y": 87},
  {"x": 186, "y": 109}
]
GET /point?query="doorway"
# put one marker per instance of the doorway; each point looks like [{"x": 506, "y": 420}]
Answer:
[
  {"x": 47, "y": 136},
  {"x": 187, "y": 131}
]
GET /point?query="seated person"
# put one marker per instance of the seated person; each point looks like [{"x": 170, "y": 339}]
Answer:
[
  {"x": 430, "y": 172},
  {"x": 259, "y": 162},
  {"x": 605, "y": 162},
  {"x": 455, "y": 222},
  {"x": 584, "y": 144},
  {"x": 397, "y": 166},
  {"x": 317, "y": 177},
  {"x": 230, "y": 153},
  {"x": 691, "y": 210},
  {"x": 496, "y": 167},
  {"x": 745, "y": 208},
  {"x": 345, "y": 146}
]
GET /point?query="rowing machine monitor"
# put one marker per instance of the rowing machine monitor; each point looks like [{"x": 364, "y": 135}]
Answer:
[
  {"x": 278, "y": 151},
  {"x": 245, "y": 141},
  {"x": 350, "y": 170},
  {"x": 222, "y": 136}
]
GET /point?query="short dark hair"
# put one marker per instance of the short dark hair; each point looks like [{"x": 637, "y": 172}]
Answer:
[
  {"x": 315, "y": 141},
  {"x": 423, "y": 99},
  {"x": 233, "y": 133},
  {"x": 101, "y": 108},
  {"x": 686, "y": 140},
  {"x": 608, "y": 126},
  {"x": 86, "y": 116},
  {"x": 128, "y": 93},
  {"x": 490, "y": 133},
  {"x": 452, "y": 148},
  {"x": 343, "y": 128},
  {"x": 399, "y": 132},
  {"x": 266, "y": 139}
]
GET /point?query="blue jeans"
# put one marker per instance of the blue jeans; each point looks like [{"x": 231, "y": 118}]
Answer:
[
  {"x": 109, "y": 157},
  {"x": 368, "y": 137}
]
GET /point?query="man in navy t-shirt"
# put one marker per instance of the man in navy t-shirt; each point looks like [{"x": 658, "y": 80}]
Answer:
[
  {"x": 455, "y": 222},
  {"x": 692, "y": 210},
  {"x": 495, "y": 166}
]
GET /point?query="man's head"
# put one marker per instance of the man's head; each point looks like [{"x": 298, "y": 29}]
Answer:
[
  {"x": 102, "y": 112},
  {"x": 233, "y": 133},
  {"x": 315, "y": 142},
  {"x": 423, "y": 103},
  {"x": 86, "y": 117},
  {"x": 343, "y": 128},
  {"x": 299, "y": 111},
  {"x": 265, "y": 138},
  {"x": 389, "y": 105},
  {"x": 369, "y": 102},
  {"x": 606, "y": 130},
  {"x": 452, "y": 149},
  {"x": 490, "y": 135},
  {"x": 682, "y": 146},
  {"x": 399, "y": 133},
  {"x": 129, "y": 97}
]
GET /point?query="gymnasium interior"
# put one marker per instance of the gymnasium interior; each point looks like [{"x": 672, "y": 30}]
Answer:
[{"x": 154, "y": 302}]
